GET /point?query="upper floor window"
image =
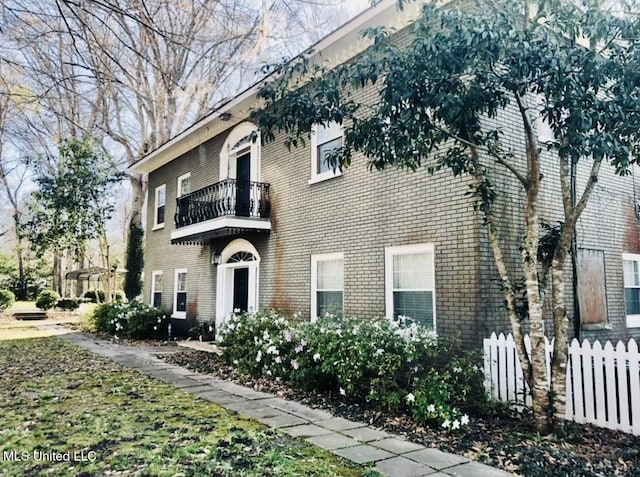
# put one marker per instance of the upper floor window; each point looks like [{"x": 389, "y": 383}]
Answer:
[
  {"x": 156, "y": 288},
  {"x": 631, "y": 274},
  {"x": 410, "y": 284},
  {"x": 327, "y": 284},
  {"x": 180, "y": 294},
  {"x": 324, "y": 140},
  {"x": 184, "y": 184},
  {"x": 159, "y": 206}
]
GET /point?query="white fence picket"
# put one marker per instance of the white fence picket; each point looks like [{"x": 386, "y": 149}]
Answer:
[
  {"x": 600, "y": 390},
  {"x": 610, "y": 380},
  {"x": 603, "y": 384},
  {"x": 634, "y": 386},
  {"x": 586, "y": 387},
  {"x": 623, "y": 393},
  {"x": 576, "y": 371},
  {"x": 511, "y": 360}
]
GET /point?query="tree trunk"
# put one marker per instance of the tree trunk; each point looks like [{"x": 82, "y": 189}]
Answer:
[
  {"x": 23, "y": 289},
  {"x": 561, "y": 324},
  {"x": 138, "y": 187},
  {"x": 540, "y": 380}
]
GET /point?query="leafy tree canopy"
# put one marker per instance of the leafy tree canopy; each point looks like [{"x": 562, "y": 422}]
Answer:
[{"x": 74, "y": 201}]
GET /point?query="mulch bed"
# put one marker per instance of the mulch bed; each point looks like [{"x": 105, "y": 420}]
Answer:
[{"x": 505, "y": 440}]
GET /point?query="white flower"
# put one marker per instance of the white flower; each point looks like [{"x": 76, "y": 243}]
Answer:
[
  {"x": 464, "y": 420},
  {"x": 278, "y": 359},
  {"x": 431, "y": 408},
  {"x": 155, "y": 328},
  {"x": 446, "y": 424},
  {"x": 316, "y": 357},
  {"x": 343, "y": 392},
  {"x": 457, "y": 369},
  {"x": 379, "y": 352},
  {"x": 294, "y": 364},
  {"x": 272, "y": 350},
  {"x": 455, "y": 425},
  {"x": 410, "y": 398},
  {"x": 235, "y": 361},
  {"x": 259, "y": 356}
]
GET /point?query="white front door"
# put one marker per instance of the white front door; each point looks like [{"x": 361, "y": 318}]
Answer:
[{"x": 237, "y": 281}]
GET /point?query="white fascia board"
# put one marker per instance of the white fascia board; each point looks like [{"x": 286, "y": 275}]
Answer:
[{"x": 220, "y": 223}]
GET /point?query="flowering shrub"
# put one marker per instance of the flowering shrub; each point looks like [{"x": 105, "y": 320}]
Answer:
[
  {"x": 394, "y": 365},
  {"x": 133, "y": 319},
  {"x": 257, "y": 342}
]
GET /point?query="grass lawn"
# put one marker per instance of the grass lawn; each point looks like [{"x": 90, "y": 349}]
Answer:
[
  {"x": 103, "y": 419},
  {"x": 19, "y": 331}
]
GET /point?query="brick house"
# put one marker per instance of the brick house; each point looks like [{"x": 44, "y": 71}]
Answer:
[{"x": 234, "y": 224}]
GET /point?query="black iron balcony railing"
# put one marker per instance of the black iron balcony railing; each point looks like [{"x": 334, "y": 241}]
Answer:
[{"x": 229, "y": 197}]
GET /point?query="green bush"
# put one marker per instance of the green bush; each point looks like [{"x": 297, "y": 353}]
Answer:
[
  {"x": 68, "y": 304},
  {"x": 133, "y": 320},
  {"x": 95, "y": 296},
  {"x": 393, "y": 365},
  {"x": 47, "y": 299},
  {"x": 255, "y": 342},
  {"x": 7, "y": 298}
]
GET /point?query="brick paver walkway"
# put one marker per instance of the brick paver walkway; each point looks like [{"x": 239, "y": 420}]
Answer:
[{"x": 391, "y": 455}]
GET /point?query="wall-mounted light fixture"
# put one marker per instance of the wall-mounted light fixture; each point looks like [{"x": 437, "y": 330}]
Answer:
[{"x": 215, "y": 258}]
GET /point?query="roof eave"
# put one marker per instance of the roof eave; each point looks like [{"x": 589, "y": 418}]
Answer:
[{"x": 336, "y": 48}]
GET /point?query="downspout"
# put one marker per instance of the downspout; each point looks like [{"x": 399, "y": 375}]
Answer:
[{"x": 574, "y": 259}]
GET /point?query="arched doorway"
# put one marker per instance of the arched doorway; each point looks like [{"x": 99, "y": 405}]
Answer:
[{"x": 237, "y": 280}]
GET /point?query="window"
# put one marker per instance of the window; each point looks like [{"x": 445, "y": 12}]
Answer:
[
  {"x": 631, "y": 273},
  {"x": 160, "y": 202},
  {"x": 180, "y": 297},
  {"x": 327, "y": 284},
  {"x": 184, "y": 184},
  {"x": 156, "y": 289},
  {"x": 410, "y": 284},
  {"x": 324, "y": 139}
]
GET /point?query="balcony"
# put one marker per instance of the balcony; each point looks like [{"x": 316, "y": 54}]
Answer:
[{"x": 228, "y": 207}]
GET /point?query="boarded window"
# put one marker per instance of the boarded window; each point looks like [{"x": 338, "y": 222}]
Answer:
[{"x": 592, "y": 297}]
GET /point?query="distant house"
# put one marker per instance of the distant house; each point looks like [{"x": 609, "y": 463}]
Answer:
[{"x": 236, "y": 225}]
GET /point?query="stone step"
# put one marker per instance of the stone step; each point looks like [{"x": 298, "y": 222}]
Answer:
[{"x": 30, "y": 315}]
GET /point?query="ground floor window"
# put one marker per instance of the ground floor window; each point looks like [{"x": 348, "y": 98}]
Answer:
[
  {"x": 327, "y": 284},
  {"x": 180, "y": 294},
  {"x": 156, "y": 288},
  {"x": 631, "y": 273},
  {"x": 410, "y": 283}
]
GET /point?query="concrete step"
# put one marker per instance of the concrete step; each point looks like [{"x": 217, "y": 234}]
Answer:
[{"x": 30, "y": 315}]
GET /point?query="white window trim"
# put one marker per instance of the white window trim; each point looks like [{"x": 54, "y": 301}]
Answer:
[
  {"x": 229, "y": 154},
  {"x": 156, "y": 225},
  {"x": 314, "y": 278},
  {"x": 323, "y": 176},
  {"x": 389, "y": 253},
  {"x": 176, "y": 313},
  {"x": 179, "y": 192},
  {"x": 154, "y": 274},
  {"x": 633, "y": 321}
]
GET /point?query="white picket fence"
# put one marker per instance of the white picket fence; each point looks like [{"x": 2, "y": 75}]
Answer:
[{"x": 603, "y": 383}]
